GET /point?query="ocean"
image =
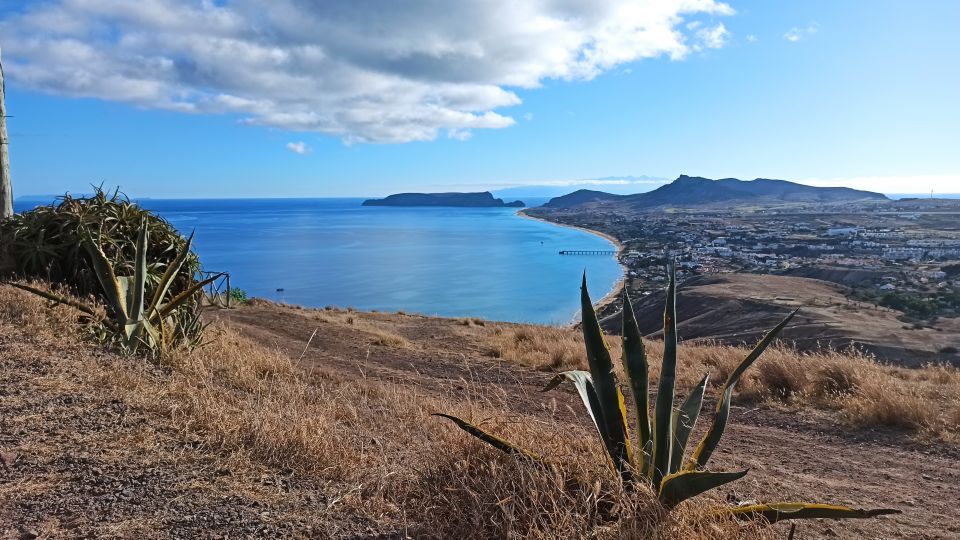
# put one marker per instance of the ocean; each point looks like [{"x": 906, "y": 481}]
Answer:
[{"x": 454, "y": 262}]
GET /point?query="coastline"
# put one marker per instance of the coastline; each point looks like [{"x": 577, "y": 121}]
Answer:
[{"x": 617, "y": 289}]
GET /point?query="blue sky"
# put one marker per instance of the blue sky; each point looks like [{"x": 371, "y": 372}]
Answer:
[{"x": 852, "y": 93}]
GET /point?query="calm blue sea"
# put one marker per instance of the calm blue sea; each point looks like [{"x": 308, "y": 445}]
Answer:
[{"x": 485, "y": 262}]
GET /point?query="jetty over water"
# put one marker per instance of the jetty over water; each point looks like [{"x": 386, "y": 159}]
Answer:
[{"x": 587, "y": 252}]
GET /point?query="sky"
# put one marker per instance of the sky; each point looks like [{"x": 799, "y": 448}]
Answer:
[{"x": 228, "y": 98}]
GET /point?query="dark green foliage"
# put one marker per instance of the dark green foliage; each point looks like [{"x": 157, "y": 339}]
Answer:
[
  {"x": 46, "y": 243},
  {"x": 238, "y": 296},
  {"x": 131, "y": 260}
]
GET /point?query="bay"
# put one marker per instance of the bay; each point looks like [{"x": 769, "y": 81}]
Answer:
[{"x": 455, "y": 262}]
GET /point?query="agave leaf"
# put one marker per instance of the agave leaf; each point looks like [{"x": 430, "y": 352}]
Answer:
[
  {"x": 684, "y": 419},
  {"x": 107, "y": 278},
  {"x": 637, "y": 369},
  {"x": 139, "y": 275},
  {"x": 663, "y": 413},
  {"x": 678, "y": 487},
  {"x": 53, "y": 297},
  {"x": 184, "y": 295},
  {"x": 154, "y": 340},
  {"x": 773, "y": 513},
  {"x": 492, "y": 440},
  {"x": 609, "y": 397},
  {"x": 584, "y": 384},
  {"x": 711, "y": 439},
  {"x": 160, "y": 291}
]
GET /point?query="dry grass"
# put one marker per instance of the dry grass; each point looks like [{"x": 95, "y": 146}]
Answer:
[
  {"x": 374, "y": 446},
  {"x": 863, "y": 391}
]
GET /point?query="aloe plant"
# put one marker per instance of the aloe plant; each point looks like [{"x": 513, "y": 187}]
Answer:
[
  {"x": 663, "y": 431},
  {"x": 156, "y": 322}
]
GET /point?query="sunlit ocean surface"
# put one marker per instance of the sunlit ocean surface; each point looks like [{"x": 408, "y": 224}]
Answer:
[{"x": 485, "y": 262}]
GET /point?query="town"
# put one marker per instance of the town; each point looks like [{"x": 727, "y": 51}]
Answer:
[{"x": 904, "y": 255}]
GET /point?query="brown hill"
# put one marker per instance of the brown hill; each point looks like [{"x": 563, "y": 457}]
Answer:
[
  {"x": 739, "y": 308},
  {"x": 301, "y": 423}
]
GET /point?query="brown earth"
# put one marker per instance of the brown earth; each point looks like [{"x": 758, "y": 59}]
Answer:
[
  {"x": 740, "y": 308},
  {"x": 791, "y": 457},
  {"x": 82, "y": 457}
]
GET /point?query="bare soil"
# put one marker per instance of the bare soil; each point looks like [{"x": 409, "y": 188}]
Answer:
[
  {"x": 77, "y": 459},
  {"x": 793, "y": 457}
]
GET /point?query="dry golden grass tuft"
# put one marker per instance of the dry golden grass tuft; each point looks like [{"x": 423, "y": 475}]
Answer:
[
  {"x": 373, "y": 446},
  {"x": 863, "y": 391}
]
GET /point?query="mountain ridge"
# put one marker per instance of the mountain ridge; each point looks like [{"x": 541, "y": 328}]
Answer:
[{"x": 696, "y": 190}]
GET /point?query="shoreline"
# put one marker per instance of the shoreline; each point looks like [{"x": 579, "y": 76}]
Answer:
[{"x": 617, "y": 288}]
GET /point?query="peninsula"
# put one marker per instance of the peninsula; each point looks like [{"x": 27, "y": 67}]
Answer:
[{"x": 483, "y": 199}]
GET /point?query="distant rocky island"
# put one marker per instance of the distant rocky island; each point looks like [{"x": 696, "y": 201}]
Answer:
[
  {"x": 692, "y": 191},
  {"x": 483, "y": 199}
]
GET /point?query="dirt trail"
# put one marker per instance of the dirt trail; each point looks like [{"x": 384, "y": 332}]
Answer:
[{"x": 791, "y": 456}]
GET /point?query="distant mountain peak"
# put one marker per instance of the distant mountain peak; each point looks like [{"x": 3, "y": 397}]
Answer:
[{"x": 699, "y": 191}]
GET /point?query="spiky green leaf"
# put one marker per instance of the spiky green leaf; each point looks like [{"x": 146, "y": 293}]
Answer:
[
  {"x": 678, "y": 487},
  {"x": 173, "y": 269},
  {"x": 492, "y": 440},
  {"x": 584, "y": 384},
  {"x": 772, "y": 513},
  {"x": 711, "y": 439},
  {"x": 609, "y": 397},
  {"x": 638, "y": 372},
  {"x": 139, "y": 275},
  {"x": 684, "y": 419},
  {"x": 182, "y": 298},
  {"x": 663, "y": 412},
  {"x": 107, "y": 278}
]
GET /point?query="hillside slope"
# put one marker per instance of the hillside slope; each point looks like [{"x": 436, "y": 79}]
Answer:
[
  {"x": 315, "y": 423},
  {"x": 690, "y": 191},
  {"x": 740, "y": 308}
]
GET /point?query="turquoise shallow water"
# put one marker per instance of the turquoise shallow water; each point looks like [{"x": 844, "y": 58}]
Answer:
[{"x": 485, "y": 262}]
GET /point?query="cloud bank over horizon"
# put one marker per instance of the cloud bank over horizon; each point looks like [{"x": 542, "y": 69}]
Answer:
[{"x": 364, "y": 71}]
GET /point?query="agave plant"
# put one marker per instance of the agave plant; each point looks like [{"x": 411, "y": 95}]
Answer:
[
  {"x": 663, "y": 431},
  {"x": 47, "y": 243},
  {"x": 157, "y": 322}
]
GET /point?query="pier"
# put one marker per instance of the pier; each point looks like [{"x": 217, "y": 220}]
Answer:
[{"x": 587, "y": 252}]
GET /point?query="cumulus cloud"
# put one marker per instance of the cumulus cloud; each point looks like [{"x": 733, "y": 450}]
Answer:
[
  {"x": 713, "y": 37},
  {"x": 797, "y": 33},
  {"x": 364, "y": 70},
  {"x": 299, "y": 147}
]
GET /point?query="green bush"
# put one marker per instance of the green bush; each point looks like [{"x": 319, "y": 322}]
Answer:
[
  {"x": 238, "y": 296},
  {"x": 46, "y": 243}
]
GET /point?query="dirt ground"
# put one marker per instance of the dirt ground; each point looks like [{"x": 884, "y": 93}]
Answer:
[
  {"x": 807, "y": 457},
  {"x": 78, "y": 460}
]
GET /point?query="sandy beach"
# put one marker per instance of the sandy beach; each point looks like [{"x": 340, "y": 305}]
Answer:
[{"x": 618, "y": 286}]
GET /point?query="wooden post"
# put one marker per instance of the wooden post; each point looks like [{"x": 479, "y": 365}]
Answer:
[
  {"x": 6, "y": 189},
  {"x": 229, "y": 292}
]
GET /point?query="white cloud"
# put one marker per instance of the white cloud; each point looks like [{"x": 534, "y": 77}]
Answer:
[
  {"x": 713, "y": 37},
  {"x": 797, "y": 33},
  {"x": 751, "y": 38},
  {"x": 528, "y": 116},
  {"x": 299, "y": 147},
  {"x": 364, "y": 71}
]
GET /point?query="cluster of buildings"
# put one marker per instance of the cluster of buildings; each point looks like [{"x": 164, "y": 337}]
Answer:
[{"x": 902, "y": 257}]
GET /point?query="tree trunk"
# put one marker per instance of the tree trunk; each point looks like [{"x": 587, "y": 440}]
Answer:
[{"x": 6, "y": 189}]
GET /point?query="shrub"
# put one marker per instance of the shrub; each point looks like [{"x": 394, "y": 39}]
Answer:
[
  {"x": 238, "y": 296},
  {"x": 657, "y": 459},
  {"x": 46, "y": 243}
]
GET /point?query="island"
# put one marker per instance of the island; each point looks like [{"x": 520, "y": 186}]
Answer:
[{"x": 483, "y": 199}]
